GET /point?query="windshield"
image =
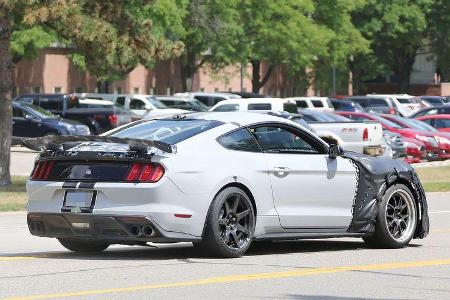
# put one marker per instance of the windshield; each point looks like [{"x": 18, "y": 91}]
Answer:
[
  {"x": 419, "y": 125},
  {"x": 39, "y": 111},
  {"x": 167, "y": 131},
  {"x": 199, "y": 105},
  {"x": 387, "y": 122},
  {"x": 156, "y": 103}
]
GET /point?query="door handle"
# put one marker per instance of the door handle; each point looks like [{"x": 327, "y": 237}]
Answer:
[{"x": 281, "y": 172}]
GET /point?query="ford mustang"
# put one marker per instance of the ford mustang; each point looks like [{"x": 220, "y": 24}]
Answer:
[{"x": 219, "y": 180}]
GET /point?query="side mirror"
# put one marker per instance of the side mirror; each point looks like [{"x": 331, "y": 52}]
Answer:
[{"x": 334, "y": 151}]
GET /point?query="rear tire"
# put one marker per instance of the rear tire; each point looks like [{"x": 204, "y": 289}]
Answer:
[
  {"x": 230, "y": 224},
  {"x": 83, "y": 246},
  {"x": 396, "y": 219}
]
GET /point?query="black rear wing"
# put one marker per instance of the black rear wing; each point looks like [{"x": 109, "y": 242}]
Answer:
[{"x": 64, "y": 142}]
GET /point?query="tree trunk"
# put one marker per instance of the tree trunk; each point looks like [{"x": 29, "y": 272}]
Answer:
[
  {"x": 188, "y": 68},
  {"x": 257, "y": 83},
  {"x": 5, "y": 97},
  {"x": 403, "y": 70}
]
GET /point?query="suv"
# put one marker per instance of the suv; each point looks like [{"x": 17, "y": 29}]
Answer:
[
  {"x": 99, "y": 117},
  {"x": 209, "y": 99},
  {"x": 377, "y": 104},
  {"x": 406, "y": 104},
  {"x": 261, "y": 104},
  {"x": 314, "y": 103}
]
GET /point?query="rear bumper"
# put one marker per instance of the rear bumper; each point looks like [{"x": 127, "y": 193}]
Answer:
[{"x": 110, "y": 228}]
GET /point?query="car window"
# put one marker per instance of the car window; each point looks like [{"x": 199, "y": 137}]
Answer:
[
  {"x": 18, "y": 113},
  {"x": 444, "y": 110},
  {"x": 301, "y": 103},
  {"x": 259, "y": 106},
  {"x": 120, "y": 101},
  {"x": 317, "y": 103},
  {"x": 364, "y": 102},
  {"x": 216, "y": 100},
  {"x": 203, "y": 99},
  {"x": 155, "y": 102},
  {"x": 39, "y": 111},
  {"x": 50, "y": 102},
  {"x": 137, "y": 104},
  {"x": 281, "y": 140},
  {"x": 28, "y": 99},
  {"x": 170, "y": 102},
  {"x": 374, "y": 102},
  {"x": 442, "y": 123},
  {"x": 290, "y": 107},
  {"x": 241, "y": 140},
  {"x": 404, "y": 100},
  {"x": 168, "y": 131},
  {"x": 430, "y": 112},
  {"x": 227, "y": 107}
]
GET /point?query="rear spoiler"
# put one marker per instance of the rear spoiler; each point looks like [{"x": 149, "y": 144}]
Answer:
[{"x": 64, "y": 142}]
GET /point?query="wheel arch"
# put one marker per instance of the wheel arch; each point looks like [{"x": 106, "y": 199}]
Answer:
[{"x": 245, "y": 189}]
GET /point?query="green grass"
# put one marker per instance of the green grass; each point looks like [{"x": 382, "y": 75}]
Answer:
[{"x": 13, "y": 197}]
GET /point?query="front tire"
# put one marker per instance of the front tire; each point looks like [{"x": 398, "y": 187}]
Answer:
[
  {"x": 396, "y": 219},
  {"x": 83, "y": 246},
  {"x": 230, "y": 224}
]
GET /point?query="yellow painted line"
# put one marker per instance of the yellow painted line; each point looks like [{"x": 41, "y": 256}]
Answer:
[
  {"x": 13, "y": 258},
  {"x": 244, "y": 277},
  {"x": 441, "y": 230}
]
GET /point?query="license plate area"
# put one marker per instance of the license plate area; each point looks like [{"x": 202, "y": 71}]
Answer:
[{"x": 79, "y": 201}]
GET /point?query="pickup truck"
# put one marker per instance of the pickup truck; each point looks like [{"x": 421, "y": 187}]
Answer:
[{"x": 361, "y": 137}]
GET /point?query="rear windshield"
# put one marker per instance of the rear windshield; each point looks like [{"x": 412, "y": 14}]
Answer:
[
  {"x": 317, "y": 103},
  {"x": 167, "y": 131}
]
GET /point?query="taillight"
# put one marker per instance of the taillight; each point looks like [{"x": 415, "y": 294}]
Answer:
[
  {"x": 145, "y": 173},
  {"x": 42, "y": 170},
  {"x": 366, "y": 134},
  {"x": 113, "y": 120},
  {"x": 391, "y": 111}
]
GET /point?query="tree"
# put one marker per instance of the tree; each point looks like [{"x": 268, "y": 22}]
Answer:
[
  {"x": 279, "y": 33},
  {"x": 112, "y": 37},
  {"x": 439, "y": 36},
  {"x": 210, "y": 31},
  {"x": 397, "y": 29}
]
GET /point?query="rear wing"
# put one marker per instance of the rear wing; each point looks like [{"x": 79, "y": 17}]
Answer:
[{"x": 64, "y": 142}]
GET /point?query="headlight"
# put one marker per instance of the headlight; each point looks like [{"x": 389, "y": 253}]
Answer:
[{"x": 70, "y": 128}]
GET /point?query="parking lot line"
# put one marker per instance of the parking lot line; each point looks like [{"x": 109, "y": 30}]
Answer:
[
  {"x": 243, "y": 277},
  {"x": 12, "y": 258},
  {"x": 440, "y": 212}
]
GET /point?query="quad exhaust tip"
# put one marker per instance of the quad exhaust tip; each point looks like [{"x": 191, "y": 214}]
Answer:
[{"x": 141, "y": 230}]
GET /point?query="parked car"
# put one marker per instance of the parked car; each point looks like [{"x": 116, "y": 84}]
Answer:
[
  {"x": 406, "y": 104},
  {"x": 440, "y": 122},
  {"x": 433, "y": 110},
  {"x": 346, "y": 105},
  {"x": 30, "y": 120},
  {"x": 209, "y": 99},
  {"x": 442, "y": 138},
  {"x": 428, "y": 101},
  {"x": 423, "y": 136},
  {"x": 313, "y": 103},
  {"x": 260, "y": 177},
  {"x": 250, "y": 104},
  {"x": 190, "y": 104},
  {"x": 246, "y": 94},
  {"x": 146, "y": 107},
  {"x": 396, "y": 145},
  {"x": 98, "y": 116},
  {"x": 382, "y": 105}
]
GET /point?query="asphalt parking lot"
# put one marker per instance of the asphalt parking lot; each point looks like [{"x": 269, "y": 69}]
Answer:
[{"x": 39, "y": 268}]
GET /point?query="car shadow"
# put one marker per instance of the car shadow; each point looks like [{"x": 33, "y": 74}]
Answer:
[{"x": 185, "y": 251}]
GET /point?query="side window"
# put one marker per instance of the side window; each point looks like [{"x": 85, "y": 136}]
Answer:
[
  {"x": 216, "y": 100},
  {"x": 241, "y": 140},
  {"x": 281, "y": 140},
  {"x": 290, "y": 107},
  {"x": 362, "y": 101},
  {"x": 442, "y": 123},
  {"x": 137, "y": 104},
  {"x": 302, "y": 103},
  {"x": 227, "y": 107},
  {"x": 50, "y": 103},
  {"x": 18, "y": 113},
  {"x": 203, "y": 99},
  {"x": 378, "y": 102},
  {"x": 259, "y": 106},
  {"x": 120, "y": 101},
  {"x": 317, "y": 103}
]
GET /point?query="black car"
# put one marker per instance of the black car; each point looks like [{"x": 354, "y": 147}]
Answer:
[
  {"x": 346, "y": 105},
  {"x": 30, "y": 120},
  {"x": 99, "y": 118},
  {"x": 433, "y": 110}
]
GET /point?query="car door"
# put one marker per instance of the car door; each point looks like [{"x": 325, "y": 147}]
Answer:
[{"x": 310, "y": 189}]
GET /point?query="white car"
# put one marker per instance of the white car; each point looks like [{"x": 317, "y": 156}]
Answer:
[
  {"x": 322, "y": 104},
  {"x": 406, "y": 104},
  {"x": 146, "y": 106},
  {"x": 219, "y": 180},
  {"x": 209, "y": 99},
  {"x": 190, "y": 104},
  {"x": 255, "y": 104}
]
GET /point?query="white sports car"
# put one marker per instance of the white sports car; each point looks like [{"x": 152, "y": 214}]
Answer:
[{"x": 219, "y": 180}]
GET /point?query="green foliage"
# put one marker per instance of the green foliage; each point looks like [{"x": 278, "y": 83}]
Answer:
[
  {"x": 439, "y": 35},
  {"x": 27, "y": 42}
]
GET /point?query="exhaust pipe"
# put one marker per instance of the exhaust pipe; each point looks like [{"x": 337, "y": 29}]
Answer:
[
  {"x": 134, "y": 230},
  {"x": 147, "y": 230}
]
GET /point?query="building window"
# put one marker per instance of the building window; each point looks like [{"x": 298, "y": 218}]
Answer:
[
  {"x": 202, "y": 89},
  {"x": 36, "y": 89},
  {"x": 78, "y": 89},
  {"x": 57, "y": 90},
  {"x": 230, "y": 89},
  {"x": 216, "y": 89},
  {"x": 119, "y": 90},
  {"x": 136, "y": 90},
  {"x": 168, "y": 90},
  {"x": 244, "y": 89}
]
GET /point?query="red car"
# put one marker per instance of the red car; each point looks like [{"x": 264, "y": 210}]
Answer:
[
  {"x": 431, "y": 145},
  {"x": 440, "y": 122},
  {"x": 443, "y": 138}
]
